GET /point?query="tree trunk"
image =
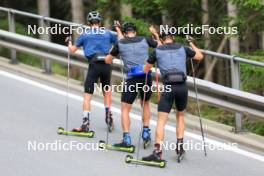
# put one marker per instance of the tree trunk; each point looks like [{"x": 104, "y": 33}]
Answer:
[
  {"x": 77, "y": 17},
  {"x": 166, "y": 20},
  {"x": 44, "y": 10},
  {"x": 263, "y": 40},
  {"x": 126, "y": 10},
  {"x": 77, "y": 11},
  {"x": 234, "y": 40},
  {"x": 205, "y": 21},
  {"x": 212, "y": 65}
]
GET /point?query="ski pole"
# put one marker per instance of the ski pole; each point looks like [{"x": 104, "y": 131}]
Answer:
[
  {"x": 68, "y": 88},
  {"x": 142, "y": 112},
  {"x": 198, "y": 107},
  {"x": 157, "y": 82}
]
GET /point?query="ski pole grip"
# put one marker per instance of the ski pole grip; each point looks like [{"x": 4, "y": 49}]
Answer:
[{"x": 68, "y": 39}]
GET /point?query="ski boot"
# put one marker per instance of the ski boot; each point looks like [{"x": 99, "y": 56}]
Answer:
[
  {"x": 84, "y": 127},
  {"x": 109, "y": 121},
  {"x": 179, "y": 152},
  {"x": 146, "y": 136},
  {"x": 126, "y": 142},
  {"x": 83, "y": 131},
  {"x": 155, "y": 159}
]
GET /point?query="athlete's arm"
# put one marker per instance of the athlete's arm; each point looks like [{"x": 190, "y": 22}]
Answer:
[
  {"x": 113, "y": 52},
  {"x": 118, "y": 30},
  {"x": 155, "y": 35},
  {"x": 198, "y": 54},
  {"x": 150, "y": 62},
  {"x": 151, "y": 42},
  {"x": 73, "y": 48}
]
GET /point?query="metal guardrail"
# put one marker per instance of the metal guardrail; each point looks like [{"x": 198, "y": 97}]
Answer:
[
  {"x": 228, "y": 98},
  {"x": 45, "y": 21}
]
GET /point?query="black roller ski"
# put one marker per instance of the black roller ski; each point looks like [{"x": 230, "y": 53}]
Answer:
[
  {"x": 104, "y": 146},
  {"x": 62, "y": 131},
  {"x": 160, "y": 163}
]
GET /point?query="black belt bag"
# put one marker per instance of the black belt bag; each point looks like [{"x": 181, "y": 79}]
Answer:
[
  {"x": 175, "y": 77},
  {"x": 99, "y": 58}
]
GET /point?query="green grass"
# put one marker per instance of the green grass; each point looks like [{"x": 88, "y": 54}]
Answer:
[{"x": 220, "y": 115}]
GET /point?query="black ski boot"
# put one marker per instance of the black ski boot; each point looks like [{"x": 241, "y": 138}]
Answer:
[
  {"x": 156, "y": 155},
  {"x": 109, "y": 121},
  {"x": 84, "y": 127}
]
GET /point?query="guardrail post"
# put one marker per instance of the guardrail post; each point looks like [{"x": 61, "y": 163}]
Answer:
[
  {"x": 46, "y": 63},
  {"x": 12, "y": 28},
  {"x": 235, "y": 78}
]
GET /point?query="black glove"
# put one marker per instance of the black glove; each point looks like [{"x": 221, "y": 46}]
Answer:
[
  {"x": 188, "y": 38},
  {"x": 68, "y": 39},
  {"x": 116, "y": 24}
]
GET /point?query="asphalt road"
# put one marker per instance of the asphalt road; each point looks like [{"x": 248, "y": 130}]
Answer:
[{"x": 31, "y": 112}]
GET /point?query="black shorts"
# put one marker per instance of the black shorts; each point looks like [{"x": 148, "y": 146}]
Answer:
[
  {"x": 178, "y": 94},
  {"x": 97, "y": 70},
  {"x": 129, "y": 96}
]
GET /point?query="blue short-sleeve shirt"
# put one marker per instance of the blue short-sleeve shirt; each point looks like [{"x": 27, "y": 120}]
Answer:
[{"x": 96, "y": 41}]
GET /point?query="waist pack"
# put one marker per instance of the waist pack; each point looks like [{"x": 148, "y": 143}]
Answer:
[
  {"x": 136, "y": 71},
  {"x": 99, "y": 57},
  {"x": 174, "y": 77}
]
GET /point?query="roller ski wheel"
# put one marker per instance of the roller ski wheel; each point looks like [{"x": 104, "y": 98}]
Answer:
[
  {"x": 104, "y": 146},
  {"x": 62, "y": 131},
  {"x": 130, "y": 159}
]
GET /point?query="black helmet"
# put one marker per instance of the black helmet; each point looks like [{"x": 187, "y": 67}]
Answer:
[
  {"x": 164, "y": 34},
  {"x": 128, "y": 26},
  {"x": 94, "y": 16}
]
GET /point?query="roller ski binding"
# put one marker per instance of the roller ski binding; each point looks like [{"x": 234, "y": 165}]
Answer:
[
  {"x": 83, "y": 131},
  {"x": 146, "y": 136},
  {"x": 109, "y": 122},
  {"x": 152, "y": 160},
  {"x": 124, "y": 146},
  {"x": 180, "y": 152}
]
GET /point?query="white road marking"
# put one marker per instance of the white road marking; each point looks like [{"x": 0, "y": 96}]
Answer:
[{"x": 134, "y": 116}]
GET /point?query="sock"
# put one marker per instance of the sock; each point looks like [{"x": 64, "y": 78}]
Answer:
[
  {"x": 179, "y": 143},
  {"x": 179, "y": 140},
  {"x": 145, "y": 127},
  {"x": 125, "y": 134},
  {"x": 86, "y": 114},
  {"x": 157, "y": 147},
  {"x": 106, "y": 109}
]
